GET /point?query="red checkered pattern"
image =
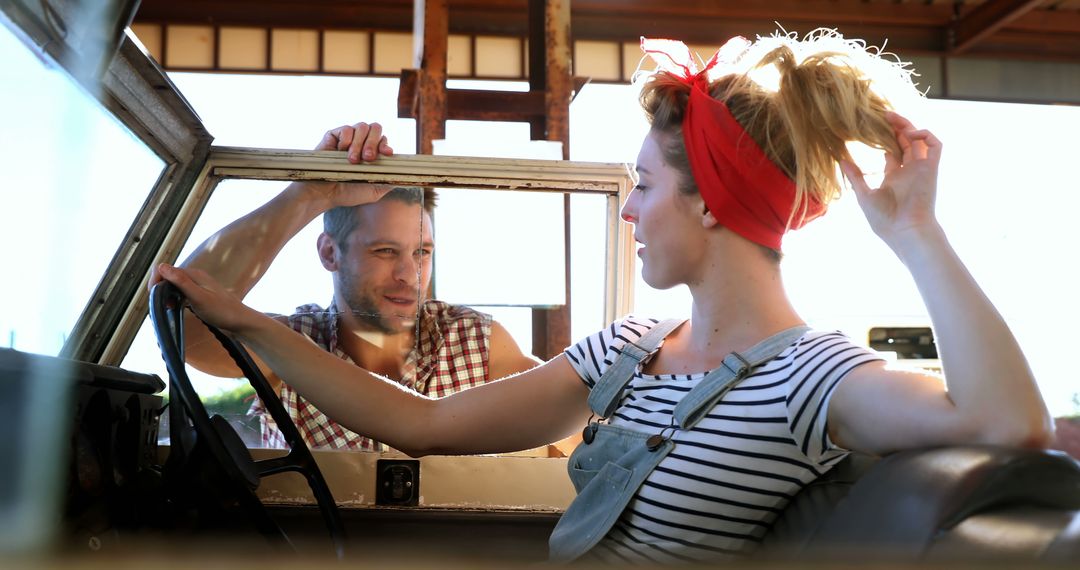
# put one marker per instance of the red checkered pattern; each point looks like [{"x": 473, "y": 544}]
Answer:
[{"x": 451, "y": 355}]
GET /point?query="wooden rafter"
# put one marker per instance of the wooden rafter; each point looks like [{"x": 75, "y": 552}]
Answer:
[
  {"x": 984, "y": 20},
  {"x": 999, "y": 28}
]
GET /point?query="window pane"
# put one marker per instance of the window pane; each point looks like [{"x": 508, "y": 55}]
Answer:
[
  {"x": 588, "y": 266},
  {"x": 295, "y": 278},
  {"x": 72, "y": 179},
  {"x": 500, "y": 248}
]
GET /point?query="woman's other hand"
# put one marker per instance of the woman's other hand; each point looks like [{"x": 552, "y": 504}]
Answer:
[{"x": 903, "y": 206}]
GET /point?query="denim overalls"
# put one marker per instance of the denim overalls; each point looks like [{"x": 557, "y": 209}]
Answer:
[{"x": 612, "y": 462}]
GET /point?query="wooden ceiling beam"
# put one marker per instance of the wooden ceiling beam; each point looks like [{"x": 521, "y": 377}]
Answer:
[
  {"x": 1064, "y": 48},
  {"x": 1007, "y": 28},
  {"x": 984, "y": 20},
  {"x": 1047, "y": 22},
  {"x": 836, "y": 12},
  {"x": 345, "y": 14},
  {"x": 510, "y": 15},
  {"x": 895, "y": 38}
]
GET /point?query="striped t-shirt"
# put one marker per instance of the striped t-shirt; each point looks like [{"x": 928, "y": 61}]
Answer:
[{"x": 721, "y": 487}]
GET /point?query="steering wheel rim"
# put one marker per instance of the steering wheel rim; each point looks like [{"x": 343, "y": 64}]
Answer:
[{"x": 166, "y": 314}]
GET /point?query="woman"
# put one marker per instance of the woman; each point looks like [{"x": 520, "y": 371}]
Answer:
[{"x": 723, "y": 417}]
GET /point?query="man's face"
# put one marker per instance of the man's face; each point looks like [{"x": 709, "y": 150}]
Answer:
[{"x": 384, "y": 272}]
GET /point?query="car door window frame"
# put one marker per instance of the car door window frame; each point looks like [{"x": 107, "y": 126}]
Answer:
[{"x": 612, "y": 180}]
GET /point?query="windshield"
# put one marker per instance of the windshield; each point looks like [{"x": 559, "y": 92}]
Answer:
[{"x": 72, "y": 179}]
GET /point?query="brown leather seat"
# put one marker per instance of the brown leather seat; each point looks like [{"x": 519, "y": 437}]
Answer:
[{"x": 953, "y": 503}]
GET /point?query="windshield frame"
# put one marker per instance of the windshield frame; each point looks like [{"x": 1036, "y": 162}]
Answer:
[
  {"x": 129, "y": 84},
  {"x": 139, "y": 94}
]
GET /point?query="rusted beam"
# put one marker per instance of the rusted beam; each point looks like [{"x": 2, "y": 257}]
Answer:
[
  {"x": 557, "y": 44},
  {"x": 431, "y": 31},
  {"x": 549, "y": 74},
  {"x": 479, "y": 104},
  {"x": 984, "y": 20},
  {"x": 474, "y": 104},
  {"x": 537, "y": 73},
  {"x": 560, "y": 90},
  {"x": 406, "y": 96}
]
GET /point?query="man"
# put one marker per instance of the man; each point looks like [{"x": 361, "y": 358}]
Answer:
[{"x": 379, "y": 318}]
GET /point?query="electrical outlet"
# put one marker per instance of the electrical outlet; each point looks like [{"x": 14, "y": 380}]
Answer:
[{"x": 397, "y": 482}]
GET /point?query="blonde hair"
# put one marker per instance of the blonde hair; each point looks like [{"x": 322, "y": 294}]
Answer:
[{"x": 801, "y": 101}]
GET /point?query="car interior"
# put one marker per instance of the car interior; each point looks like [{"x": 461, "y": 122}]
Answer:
[{"x": 106, "y": 461}]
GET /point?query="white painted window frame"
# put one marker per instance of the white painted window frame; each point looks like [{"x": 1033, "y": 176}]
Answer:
[{"x": 611, "y": 180}]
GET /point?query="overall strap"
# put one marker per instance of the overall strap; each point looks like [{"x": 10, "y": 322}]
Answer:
[
  {"x": 608, "y": 390},
  {"x": 696, "y": 404}
]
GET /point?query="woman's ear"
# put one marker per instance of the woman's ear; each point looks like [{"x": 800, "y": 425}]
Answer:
[
  {"x": 707, "y": 219},
  {"x": 697, "y": 204},
  {"x": 328, "y": 252}
]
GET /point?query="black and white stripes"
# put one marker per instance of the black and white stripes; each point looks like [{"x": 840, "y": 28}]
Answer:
[{"x": 721, "y": 487}]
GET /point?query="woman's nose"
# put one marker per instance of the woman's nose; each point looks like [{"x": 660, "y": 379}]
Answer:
[
  {"x": 629, "y": 208},
  {"x": 628, "y": 213}
]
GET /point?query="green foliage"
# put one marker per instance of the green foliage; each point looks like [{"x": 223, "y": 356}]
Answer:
[
  {"x": 233, "y": 405},
  {"x": 233, "y": 402}
]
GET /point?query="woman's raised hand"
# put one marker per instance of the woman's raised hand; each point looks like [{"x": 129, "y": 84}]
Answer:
[{"x": 903, "y": 205}]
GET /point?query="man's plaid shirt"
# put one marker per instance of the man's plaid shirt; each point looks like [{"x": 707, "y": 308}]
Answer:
[{"x": 451, "y": 355}]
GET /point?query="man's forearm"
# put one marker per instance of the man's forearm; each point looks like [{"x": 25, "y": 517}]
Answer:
[{"x": 239, "y": 254}]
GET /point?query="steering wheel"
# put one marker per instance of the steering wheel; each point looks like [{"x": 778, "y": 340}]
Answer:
[{"x": 216, "y": 437}]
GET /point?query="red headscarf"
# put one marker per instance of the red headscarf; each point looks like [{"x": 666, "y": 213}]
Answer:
[{"x": 743, "y": 189}]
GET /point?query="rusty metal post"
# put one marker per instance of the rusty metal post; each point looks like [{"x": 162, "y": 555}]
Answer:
[
  {"x": 550, "y": 70},
  {"x": 558, "y": 77},
  {"x": 431, "y": 28}
]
